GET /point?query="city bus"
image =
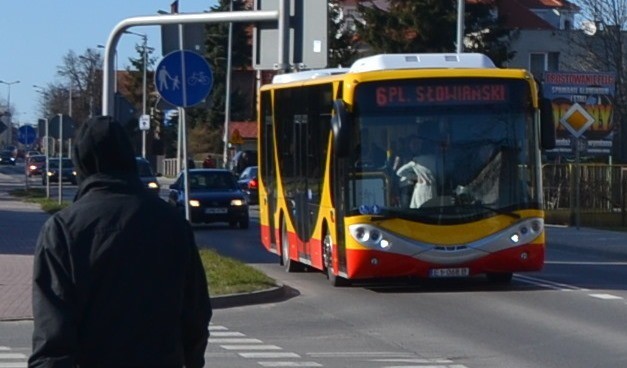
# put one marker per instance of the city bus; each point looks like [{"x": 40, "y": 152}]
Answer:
[{"x": 476, "y": 209}]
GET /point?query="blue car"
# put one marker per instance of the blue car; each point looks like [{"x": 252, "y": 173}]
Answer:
[
  {"x": 68, "y": 173},
  {"x": 214, "y": 196}
]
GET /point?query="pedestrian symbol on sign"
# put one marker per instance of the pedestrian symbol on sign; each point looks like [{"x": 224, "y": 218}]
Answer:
[{"x": 183, "y": 78}]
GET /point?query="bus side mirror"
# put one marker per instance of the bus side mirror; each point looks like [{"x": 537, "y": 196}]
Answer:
[
  {"x": 339, "y": 126},
  {"x": 547, "y": 124}
]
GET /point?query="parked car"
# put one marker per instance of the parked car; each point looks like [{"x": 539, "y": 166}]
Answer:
[
  {"x": 214, "y": 196},
  {"x": 147, "y": 175},
  {"x": 248, "y": 181},
  {"x": 7, "y": 158},
  {"x": 34, "y": 164},
  {"x": 52, "y": 172}
]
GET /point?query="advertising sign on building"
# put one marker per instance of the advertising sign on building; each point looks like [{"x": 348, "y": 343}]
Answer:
[{"x": 582, "y": 108}]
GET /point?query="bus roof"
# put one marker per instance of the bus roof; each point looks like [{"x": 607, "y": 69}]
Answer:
[
  {"x": 418, "y": 61},
  {"x": 309, "y": 74},
  {"x": 395, "y": 62}
]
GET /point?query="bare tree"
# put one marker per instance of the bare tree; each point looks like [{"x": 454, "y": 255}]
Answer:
[{"x": 76, "y": 91}]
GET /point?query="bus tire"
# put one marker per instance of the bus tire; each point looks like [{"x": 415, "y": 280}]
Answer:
[
  {"x": 500, "y": 277},
  {"x": 327, "y": 254},
  {"x": 288, "y": 263}
]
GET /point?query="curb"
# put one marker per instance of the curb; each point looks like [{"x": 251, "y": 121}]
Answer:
[{"x": 275, "y": 294}]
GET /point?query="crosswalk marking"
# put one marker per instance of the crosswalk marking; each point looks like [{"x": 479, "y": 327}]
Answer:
[
  {"x": 234, "y": 340},
  {"x": 12, "y": 356},
  {"x": 274, "y": 355},
  {"x": 290, "y": 364},
  {"x": 226, "y": 334},
  {"x": 13, "y": 364},
  {"x": 250, "y": 347},
  {"x": 217, "y": 328}
]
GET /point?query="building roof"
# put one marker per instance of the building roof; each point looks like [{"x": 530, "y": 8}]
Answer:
[{"x": 247, "y": 129}]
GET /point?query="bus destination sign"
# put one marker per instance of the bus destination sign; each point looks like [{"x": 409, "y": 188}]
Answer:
[{"x": 444, "y": 94}]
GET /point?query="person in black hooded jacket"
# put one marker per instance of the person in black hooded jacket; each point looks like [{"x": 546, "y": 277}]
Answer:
[{"x": 117, "y": 280}]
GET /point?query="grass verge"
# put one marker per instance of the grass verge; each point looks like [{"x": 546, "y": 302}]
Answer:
[{"x": 224, "y": 275}]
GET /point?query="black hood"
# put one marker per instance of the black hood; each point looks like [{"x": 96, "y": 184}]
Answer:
[{"x": 102, "y": 146}]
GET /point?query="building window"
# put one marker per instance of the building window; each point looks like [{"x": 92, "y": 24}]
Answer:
[{"x": 539, "y": 62}]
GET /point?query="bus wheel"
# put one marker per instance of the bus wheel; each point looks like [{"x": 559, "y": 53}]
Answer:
[
  {"x": 288, "y": 263},
  {"x": 327, "y": 254},
  {"x": 500, "y": 277}
]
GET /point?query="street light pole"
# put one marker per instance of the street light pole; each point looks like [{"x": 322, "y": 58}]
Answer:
[
  {"x": 144, "y": 84},
  {"x": 9, "y": 84}
]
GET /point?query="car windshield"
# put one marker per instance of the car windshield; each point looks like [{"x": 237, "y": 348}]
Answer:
[
  {"x": 37, "y": 158},
  {"x": 144, "y": 169},
  {"x": 54, "y": 163},
  {"x": 211, "y": 181}
]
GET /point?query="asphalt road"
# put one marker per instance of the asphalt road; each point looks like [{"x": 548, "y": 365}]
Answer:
[{"x": 571, "y": 314}]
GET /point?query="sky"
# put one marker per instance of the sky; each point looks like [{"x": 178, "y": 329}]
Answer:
[{"x": 36, "y": 34}]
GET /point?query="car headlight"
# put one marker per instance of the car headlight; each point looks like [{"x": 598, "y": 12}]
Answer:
[
  {"x": 237, "y": 202},
  {"x": 153, "y": 185},
  {"x": 194, "y": 203}
]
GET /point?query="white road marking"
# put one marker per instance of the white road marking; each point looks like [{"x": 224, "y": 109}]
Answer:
[
  {"x": 226, "y": 333},
  {"x": 339, "y": 354},
  {"x": 606, "y": 296},
  {"x": 548, "y": 284},
  {"x": 12, "y": 356},
  {"x": 416, "y": 361},
  {"x": 250, "y": 347},
  {"x": 275, "y": 355},
  {"x": 217, "y": 328},
  {"x": 587, "y": 263},
  {"x": 4, "y": 348},
  {"x": 13, "y": 365},
  {"x": 234, "y": 340},
  {"x": 289, "y": 364}
]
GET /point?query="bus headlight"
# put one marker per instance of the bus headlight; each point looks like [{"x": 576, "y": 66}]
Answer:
[
  {"x": 194, "y": 203},
  {"x": 370, "y": 236}
]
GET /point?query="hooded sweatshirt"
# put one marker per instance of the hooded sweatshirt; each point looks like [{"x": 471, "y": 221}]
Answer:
[{"x": 118, "y": 281}]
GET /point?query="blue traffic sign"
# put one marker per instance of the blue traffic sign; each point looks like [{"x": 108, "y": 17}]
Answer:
[
  {"x": 183, "y": 78},
  {"x": 26, "y": 134}
]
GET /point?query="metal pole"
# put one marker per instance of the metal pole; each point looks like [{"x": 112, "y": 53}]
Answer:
[
  {"x": 144, "y": 82},
  {"x": 60, "y": 175},
  {"x": 193, "y": 18},
  {"x": 144, "y": 91},
  {"x": 460, "y": 26},
  {"x": 47, "y": 161},
  {"x": 227, "y": 101}
]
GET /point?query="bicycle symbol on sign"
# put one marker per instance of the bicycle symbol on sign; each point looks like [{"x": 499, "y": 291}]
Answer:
[{"x": 198, "y": 78}]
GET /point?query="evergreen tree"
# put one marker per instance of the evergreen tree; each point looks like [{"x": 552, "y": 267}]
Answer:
[
  {"x": 212, "y": 113},
  {"x": 430, "y": 26}
]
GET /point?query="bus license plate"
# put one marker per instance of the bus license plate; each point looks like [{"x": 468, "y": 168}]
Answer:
[
  {"x": 215, "y": 210},
  {"x": 449, "y": 272}
]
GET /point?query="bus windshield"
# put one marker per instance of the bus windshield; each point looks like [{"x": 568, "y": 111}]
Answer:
[{"x": 442, "y": 151}]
